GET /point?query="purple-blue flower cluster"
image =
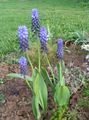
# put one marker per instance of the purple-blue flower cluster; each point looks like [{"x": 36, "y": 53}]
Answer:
[
  {"x": 35, "y": 27},
  {"x": 23, "y": 65},
  {"x": 60, "y": 48},
  {"x": 23, "y": 37},
  {"x": 43, "y": 38}
]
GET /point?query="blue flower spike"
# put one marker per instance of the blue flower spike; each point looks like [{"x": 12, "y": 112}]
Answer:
[
  {"x": 35, "y": 27},
  {"x": 60, "y": 49},
  {"x": 23, "y": 65},
  {"x": 23, "y": 37},
  {"x": 43, "y": 39}
]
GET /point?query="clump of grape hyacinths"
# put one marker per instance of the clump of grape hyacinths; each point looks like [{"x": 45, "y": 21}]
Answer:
[
  {"x": 35, "y": 26},
  {"x": 23, "y": 65},
  {"x": 43, "y": 39},
  {"x": 23, "y": 37},
  {"x": 60, "y": 49}
]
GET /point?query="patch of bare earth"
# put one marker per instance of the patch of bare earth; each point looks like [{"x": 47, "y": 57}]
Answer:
[{"x": 18, "y": 96}]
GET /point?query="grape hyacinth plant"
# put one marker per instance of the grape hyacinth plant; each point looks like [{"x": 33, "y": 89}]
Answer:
[
  {"x": 40, "y": 77},
  {"x": 60, "y": 49},
  {"x": 35, "y": 82},
  {"x": 23, "y": 37},
  {"x": 43, "y": 39},
  {"x": 35, "y": 25},
  {"x": 60, "y": 91},
  {"x": 23, "y": 65}
]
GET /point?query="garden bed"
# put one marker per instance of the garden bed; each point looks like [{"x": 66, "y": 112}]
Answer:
[{"x": 17, "y": 102}]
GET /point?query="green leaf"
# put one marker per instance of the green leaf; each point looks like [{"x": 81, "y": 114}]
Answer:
[
  {"x": 2, "y": 98},
  {"x": 35, "y": 77},
  {"x": 15, "y": 75},
  {"x": 62, "y": 95},
  {"x": 1, "y": 80},
  {"x": 29, "y": 79},
  {"x": 43, "y": 93},
  {"x": 40, "y": 90},
  {"x": 46, "y": 77},
  {"x": 34, "y": 74},
  {"x": 36, "y": 85},
  {"x": 35, "y": 107}
]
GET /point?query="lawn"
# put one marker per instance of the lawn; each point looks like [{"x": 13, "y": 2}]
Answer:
[{"x": 62, "y": 16}]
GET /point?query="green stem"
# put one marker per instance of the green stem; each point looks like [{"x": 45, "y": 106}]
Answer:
[
  {"x": 60, "y": 71},
  {"x": 50, "y": 68},
  {"x": 62, "y": 82},
  {"x": 28, "y": 84},
  {"x": 61, "y": 113},
  {"x": 29, "y": 61},
  {"x": 39, "y": 62}
]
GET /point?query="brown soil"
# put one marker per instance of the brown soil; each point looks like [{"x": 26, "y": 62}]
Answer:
[
  {"x": 17, "y": 105},
  {"x": 18, "y": 96},
  {"x": 75, "y": 57}
]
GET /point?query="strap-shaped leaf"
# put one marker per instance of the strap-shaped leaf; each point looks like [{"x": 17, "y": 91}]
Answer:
[
  {"x": 40, "y": 90},
  {"x": 34, "y": 73},
  {"x": 43, "y": 93},
  {"x": 46, "y": 77},
  {"x": 15, "y": 75},
  {"x": 36, "y": 85},
  {"x": 35, "y": 107}
]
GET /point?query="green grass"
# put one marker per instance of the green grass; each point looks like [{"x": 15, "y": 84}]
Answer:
[{"x": 63, "y": 17}]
